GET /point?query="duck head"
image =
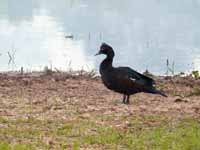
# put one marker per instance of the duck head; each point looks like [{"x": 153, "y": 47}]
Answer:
[{"x": 106, "y": 50}]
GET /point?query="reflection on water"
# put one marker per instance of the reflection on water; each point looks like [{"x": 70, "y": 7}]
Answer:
[
  {"x": 143, "y": 33},
  {"x": 39, "y": 40}
]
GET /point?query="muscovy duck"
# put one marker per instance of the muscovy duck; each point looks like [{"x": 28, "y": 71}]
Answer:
[{"x": 124, "y": 80}]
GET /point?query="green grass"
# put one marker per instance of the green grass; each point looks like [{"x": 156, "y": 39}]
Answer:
[
  {"x": 142, "y": 133},
  {"x": 7, "y": 146}
]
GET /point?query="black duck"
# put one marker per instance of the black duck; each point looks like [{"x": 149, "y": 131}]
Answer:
[{"x": 124, "y": 80}]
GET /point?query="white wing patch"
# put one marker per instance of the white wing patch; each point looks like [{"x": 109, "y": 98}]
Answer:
[{"x": 132, "y": 79}]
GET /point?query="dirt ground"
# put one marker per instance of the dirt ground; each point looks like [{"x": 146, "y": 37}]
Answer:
[
  {"x": 71, "y": 110},
  {"x": 63, "y": 96}
]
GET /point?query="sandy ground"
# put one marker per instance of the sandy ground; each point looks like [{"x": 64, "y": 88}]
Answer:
[{"x": 63, "y": 96}]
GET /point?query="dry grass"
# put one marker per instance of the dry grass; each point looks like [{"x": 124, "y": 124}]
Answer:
[{"x": 72, "y": 111}]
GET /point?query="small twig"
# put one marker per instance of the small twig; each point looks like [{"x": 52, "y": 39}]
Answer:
[
  {"x": 170, "y": 69},
  {"x": 11, "y": 56}
]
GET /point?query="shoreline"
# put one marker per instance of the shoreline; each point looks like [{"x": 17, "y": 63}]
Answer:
[{"x": 59, "y": 110}]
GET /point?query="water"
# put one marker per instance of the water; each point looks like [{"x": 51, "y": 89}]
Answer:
[{"x": 144, "y": 34}]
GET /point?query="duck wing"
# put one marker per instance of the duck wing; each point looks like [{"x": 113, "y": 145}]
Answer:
[{"x": 136, "y": 76}]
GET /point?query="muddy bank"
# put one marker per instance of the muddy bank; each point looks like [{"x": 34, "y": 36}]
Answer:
[{"x": 62, "y": 95}]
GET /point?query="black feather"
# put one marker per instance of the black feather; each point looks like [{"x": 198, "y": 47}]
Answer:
[{"x": 124, "y": 79}]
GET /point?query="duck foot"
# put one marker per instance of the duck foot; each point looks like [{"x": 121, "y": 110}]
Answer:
[{"x": 126, "y": 99}]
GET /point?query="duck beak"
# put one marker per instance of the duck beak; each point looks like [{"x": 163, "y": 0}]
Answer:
[{"x": 97, "y": 53}]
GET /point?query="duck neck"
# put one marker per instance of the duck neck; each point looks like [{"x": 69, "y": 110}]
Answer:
[{"x": 107, "y": 63}]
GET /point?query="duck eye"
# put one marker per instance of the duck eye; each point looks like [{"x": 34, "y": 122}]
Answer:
[{"x": 102, "y": 49}]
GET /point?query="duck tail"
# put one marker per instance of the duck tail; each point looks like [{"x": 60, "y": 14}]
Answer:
[{"x": 155, "y": 91}]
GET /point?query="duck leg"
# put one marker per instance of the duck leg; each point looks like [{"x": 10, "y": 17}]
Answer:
[
  {"x": 127, "y": 99},
  {"x": 124, "y": 99}
]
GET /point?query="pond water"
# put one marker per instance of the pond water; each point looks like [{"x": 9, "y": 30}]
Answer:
[{"x": 67, "y": 33}]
